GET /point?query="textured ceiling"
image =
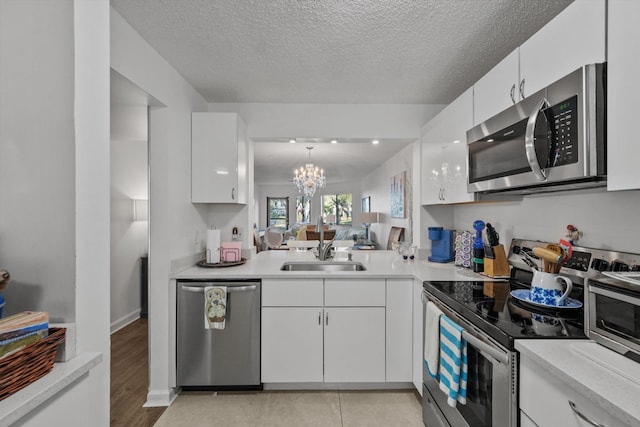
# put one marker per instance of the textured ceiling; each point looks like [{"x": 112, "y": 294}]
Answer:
[{"x": 335, "y": 51}]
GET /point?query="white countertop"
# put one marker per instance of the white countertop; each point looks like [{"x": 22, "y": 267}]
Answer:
[
  {"x": 607, "y": 378},
  {"x": 379, "y": 264}
]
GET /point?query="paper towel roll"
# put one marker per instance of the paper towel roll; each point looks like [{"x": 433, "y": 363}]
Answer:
[{"x": 213, "y": 246}]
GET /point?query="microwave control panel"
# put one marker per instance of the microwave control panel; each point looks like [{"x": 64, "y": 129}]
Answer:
[{"x": 563, "y": 132}]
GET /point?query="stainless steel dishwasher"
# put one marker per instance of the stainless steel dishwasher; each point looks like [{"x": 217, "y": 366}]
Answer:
[{"x": 220, "y": 359}]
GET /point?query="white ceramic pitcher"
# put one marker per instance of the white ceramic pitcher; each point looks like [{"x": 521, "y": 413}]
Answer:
[{"x": 549, "y": 289}]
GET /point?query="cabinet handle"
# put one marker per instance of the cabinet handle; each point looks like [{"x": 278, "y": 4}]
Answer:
[
  {"x": 233, "y": 193},
  {"x": 513, "y": 93},
  {"x": 319, "y": 318},
  {"x": 522, "y": 89},
  {"x": 326, "y": 319},
  {"x": 583, "y": 416}
]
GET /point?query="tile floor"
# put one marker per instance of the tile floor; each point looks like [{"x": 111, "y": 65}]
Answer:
[{"x": 288, "y": 409}]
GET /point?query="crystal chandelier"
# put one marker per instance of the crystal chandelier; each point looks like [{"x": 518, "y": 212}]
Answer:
[{"x": 309, "y": 178}]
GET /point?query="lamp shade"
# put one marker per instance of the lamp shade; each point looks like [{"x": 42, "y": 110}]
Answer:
[{"x": 369, "y": 217}]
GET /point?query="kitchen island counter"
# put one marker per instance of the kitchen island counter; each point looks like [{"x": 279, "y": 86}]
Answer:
[{"x": 379, "y": 264}]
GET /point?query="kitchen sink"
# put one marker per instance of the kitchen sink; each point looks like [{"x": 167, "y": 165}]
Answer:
[{"x": 323, "y": 266}]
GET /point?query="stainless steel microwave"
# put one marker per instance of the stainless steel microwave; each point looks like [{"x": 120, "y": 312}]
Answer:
[{"x": 554, "y": 139}]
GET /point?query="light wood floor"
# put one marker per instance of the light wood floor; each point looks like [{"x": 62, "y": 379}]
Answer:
[{"x": 129, "y": 377}]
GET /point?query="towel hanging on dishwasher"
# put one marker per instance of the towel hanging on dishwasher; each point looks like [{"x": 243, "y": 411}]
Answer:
[{"x": 215, "y": 307}]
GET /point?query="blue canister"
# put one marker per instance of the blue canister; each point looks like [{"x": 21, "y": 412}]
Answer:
[{"x": 1, "y": 305}]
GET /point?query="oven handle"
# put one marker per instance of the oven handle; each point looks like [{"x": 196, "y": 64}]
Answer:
[
  {"x": 604, "y": 325},
  {"x": 475, "y": 342}
]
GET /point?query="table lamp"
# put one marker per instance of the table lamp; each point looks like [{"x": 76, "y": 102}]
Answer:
[{"x": 368, "y": 218}]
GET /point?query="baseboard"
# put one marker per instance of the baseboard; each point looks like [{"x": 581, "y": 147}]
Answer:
[
  {"x": 157, "y": 398},
  {"x": 125, "y": 320},
  {"x": 338, "y": 386}
]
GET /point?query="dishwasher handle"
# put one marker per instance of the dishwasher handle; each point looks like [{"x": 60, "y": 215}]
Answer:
[{"x": 230, "y": 289}]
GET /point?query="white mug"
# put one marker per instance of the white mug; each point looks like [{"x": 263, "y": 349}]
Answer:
[{"x": 550, "y": 289}]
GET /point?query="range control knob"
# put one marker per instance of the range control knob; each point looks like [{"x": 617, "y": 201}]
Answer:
[
  {"x": 599, "y": 264},
  {"x": 619, "y": 266}
]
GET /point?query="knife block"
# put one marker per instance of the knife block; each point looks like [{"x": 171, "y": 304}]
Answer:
[{"x": 498, "y": 265}]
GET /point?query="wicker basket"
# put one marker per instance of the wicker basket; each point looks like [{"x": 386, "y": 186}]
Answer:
[{"x": 25, "y": 366}]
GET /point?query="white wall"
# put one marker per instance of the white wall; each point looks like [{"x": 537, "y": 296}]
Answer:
[
  {"x": 128, "y": 182},
  {"x": 332, "y": 120},
  {"x": 608, "y": 220},
  {"x": 37, "y": 144},
  {"x": 174, "y": 220},
  {"x": 377, "y": 185},
  {"x": 57, "y": 132}
]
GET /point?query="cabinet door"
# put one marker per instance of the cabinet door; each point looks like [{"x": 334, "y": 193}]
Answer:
[
  {"x": 457, "y": 121},
  {"x": 214, "y": 158},
  {"x": 418, "y": 335},
  {"x": 570, "y": 40},
  {"x": 399, "y": 329},
  {"x": 546, "y": 400},
  {"x": 431, "y": 193},
  {"x": 354, "y": 349},
  {"x": 291, "y": 344},
  {"x": 623, "y": 93},
  {"x": 496, "y": 90}
]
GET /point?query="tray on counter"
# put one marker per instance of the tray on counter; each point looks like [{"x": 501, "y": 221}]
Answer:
[{"x": 221, "y": 264}]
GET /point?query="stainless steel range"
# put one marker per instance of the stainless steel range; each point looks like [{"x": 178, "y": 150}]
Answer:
[{"x": 492, "y": 318}]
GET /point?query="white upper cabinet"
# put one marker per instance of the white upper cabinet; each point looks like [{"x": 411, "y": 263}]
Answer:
[
  {"x": 572, "y": 39},
  {"x": 444, "y": 154},
  {"x": 577, "y": 36},
  {"x": 218, "y": 158},
  {"x": 623, "y": 92},
  {"x": 498, "y": 89}
]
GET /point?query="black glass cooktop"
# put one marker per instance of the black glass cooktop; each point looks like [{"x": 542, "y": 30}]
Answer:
[{"x": 490, "y": 307}]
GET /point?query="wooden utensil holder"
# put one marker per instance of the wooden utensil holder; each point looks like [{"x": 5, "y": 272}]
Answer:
[{"x": 498, "y": 265}]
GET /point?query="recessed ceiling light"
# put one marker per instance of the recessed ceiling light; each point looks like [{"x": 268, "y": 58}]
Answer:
[
  {"x": 375, "y": 141},
  {"x": 292, "y": 141},
  {"x": 457, "y": 141},
  {"x": 489, "y": 140},
  {"x": 334, "y": 141}
]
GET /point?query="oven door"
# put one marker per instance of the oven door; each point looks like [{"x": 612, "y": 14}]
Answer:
[
  {"x": 614, "y": 319},
  {"x": 492, "y": 389}
]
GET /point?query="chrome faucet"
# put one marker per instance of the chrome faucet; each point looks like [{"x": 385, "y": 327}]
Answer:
[{"x": 324, "y": 249}]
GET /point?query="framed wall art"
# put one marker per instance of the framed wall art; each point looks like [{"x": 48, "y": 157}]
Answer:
[
  {"x": 398, "y": 199},
  {"x": 366, "y": 204}
]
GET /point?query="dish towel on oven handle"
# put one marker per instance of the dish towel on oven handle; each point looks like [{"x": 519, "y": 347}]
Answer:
[
  {"x": 432, "y": 339},
  {"x": 215, "y": 307},
  {"x": 453, "y": 362}
]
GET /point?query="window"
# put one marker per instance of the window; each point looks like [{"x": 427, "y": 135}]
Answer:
[
  {"x": 339, "y": 205},
  {"x": 303, "y": 209},
  {"x": 278, "y": 212}
]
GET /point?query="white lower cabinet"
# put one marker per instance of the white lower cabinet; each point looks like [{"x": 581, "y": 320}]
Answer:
[
  {"x": 336, "y": 331},
  {"x": 549, "y": 402},
  {"x": 292, "y": 344},
  {"x": 418, "y": 335},
  {"x": 354, "y": 344}
]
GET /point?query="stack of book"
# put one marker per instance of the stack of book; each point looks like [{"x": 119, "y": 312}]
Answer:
[{"x": 22, "y": 329}]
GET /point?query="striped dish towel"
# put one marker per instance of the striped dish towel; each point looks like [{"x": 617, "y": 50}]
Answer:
[{"x": 453, "y": 362}]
